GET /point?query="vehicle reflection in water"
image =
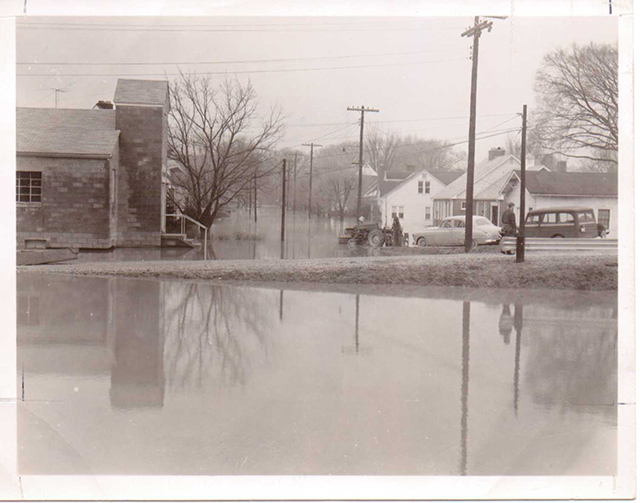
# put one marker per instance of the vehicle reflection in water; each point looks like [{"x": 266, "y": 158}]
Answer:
[{"x": 169, "y": 377}]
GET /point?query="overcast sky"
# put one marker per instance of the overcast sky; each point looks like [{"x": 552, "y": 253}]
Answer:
[{"x": 415, "y": 70}]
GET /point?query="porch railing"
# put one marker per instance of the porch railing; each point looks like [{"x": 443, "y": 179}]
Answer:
[{"x": 183, "y": 223}]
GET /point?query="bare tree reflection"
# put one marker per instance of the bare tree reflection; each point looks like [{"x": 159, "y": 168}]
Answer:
[
  {"x": 572, "y": 357},
  {"x": 213, "y": 332}
]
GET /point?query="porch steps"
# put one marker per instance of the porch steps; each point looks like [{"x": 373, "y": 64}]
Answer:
[{"x": 177, "y": 241}]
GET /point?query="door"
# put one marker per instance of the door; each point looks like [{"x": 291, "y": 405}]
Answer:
[{"x": 494, "y": 214}]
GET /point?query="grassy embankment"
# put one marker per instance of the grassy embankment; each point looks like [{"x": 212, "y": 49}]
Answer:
[{"x": 481, "y": 269}]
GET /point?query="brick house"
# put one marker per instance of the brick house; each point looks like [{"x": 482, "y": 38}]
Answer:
[
  {"x": 94, "y": 178},
  {"x": 490, "y": 176}
]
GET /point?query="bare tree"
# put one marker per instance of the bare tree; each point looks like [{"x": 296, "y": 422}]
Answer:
[
  {"x": 219, "y": 142},
  {"x": 421, "y": 153},
  {"x": 340, "y": 188},
  {"x": 577, "y": 112},
  {"x": 381, "y": 148}
]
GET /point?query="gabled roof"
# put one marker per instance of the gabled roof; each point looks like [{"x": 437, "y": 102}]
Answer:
[
  {"x": 572, "y": 183},
  {"x": 446, "y": 176},
  {"x": 386, "y": 186},
  {"x": 487, "y": 177},
  {"x": 66, "y": 132},
  {"x": 141, "y": 92},
  {"x": 442, "y": 175}
]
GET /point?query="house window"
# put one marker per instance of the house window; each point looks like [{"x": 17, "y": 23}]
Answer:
[
  {"x": 463, "y": 205},
  {"x": 427, "y": 212},
  {"x": 394, "y": 212},
  {"x": 29, "y": 186},
  {"x": 427, "y": 187},
  {"x": 420, "y": 186},
  {"x": 604, "y": 217}
]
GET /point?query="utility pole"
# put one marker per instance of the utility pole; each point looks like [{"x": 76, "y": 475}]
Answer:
[
  {"x": 310, "y": 171},
  {"x": 362, "y": 110},
  {"x": 255, "y": 198},
  {"x": 523, "y": 174},
  {"x": 474, "y": 32},
  {"x": 58, "y": 91},
  {"x": 284, "y": 202},
  {"x": 295, "y": 172}
]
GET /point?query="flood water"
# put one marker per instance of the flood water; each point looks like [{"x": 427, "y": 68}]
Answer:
[
  {"x": 239, "y": 236},
  {"x": 124, "y": 376}
]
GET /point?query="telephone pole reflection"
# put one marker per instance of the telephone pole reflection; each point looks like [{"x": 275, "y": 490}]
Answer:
[
  {"x": 464, "y": 426},
  {"x": 517, "y": 322}
]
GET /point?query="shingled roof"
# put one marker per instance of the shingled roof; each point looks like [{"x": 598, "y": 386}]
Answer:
[
  {"x": 66, "y": 132},
  {"x": 572, "y": 183},
  {"x": 141, "y": 92}
]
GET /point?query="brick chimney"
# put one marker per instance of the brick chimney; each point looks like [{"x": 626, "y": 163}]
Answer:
[
  {"x": 104, "y": 105},
  {"x": 495, "y": 152}
]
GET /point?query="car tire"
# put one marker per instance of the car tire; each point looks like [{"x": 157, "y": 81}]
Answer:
[
  {"x": 557, "y": 236},
  {"x": 422, "y": 242}
]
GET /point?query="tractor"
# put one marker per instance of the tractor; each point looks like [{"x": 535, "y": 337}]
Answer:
[{"x": 370, "y": 234}]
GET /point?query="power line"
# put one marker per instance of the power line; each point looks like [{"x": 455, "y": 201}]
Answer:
[
  {"x": 244, "y": 61},
  {"x": 228, "y": 29},
  {"x": 235, "y": 72},
  {"x": 384, "y": 21}
]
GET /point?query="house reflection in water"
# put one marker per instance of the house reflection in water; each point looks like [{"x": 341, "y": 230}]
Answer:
[
  {"x": 137, "y": 375},
  {"x": 98, "y": 330}
]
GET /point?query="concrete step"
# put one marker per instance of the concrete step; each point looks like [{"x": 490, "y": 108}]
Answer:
[{"x": 176, "y": 241}]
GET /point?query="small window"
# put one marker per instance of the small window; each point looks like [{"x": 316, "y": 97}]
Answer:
[
  {"x": 427, "y": 187},
  {"x": 565, "y": 218},
  {"x": 29, "y": 187},
  {"x": 446, "y": 224},
  {"x": 427, "y": 212},
  {"x": 549, "y": 218},
  {"x": 463, "y": 205},
  {"x": 586, "y": 216},
  {"x": 394, "y": 212},
  {"x": 532, "y": 220},
  {"x": 420, "y": 186},
  {"x": 459, "y": 224},
  {"x": 604, "y": 217},
  {"x": 400, "y": 211}
]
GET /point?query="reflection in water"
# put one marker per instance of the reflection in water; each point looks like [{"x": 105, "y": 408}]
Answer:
[
  {"x": 505, "y": 325},
  {"x": 516, "y": 372},
  {"x": 464, "y": 427},
  {"x": 193, "y": 375}
]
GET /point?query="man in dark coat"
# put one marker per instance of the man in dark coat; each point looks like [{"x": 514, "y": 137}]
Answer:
[{"x": 509, "y": 221}]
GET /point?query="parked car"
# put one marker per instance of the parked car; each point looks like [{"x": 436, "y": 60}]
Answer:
[
  {"x": 451, "y": 231},
  {"x": 567, "y": 222}
]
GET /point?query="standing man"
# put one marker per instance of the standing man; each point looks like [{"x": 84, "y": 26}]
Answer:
[{"x": 509, "y": 227}]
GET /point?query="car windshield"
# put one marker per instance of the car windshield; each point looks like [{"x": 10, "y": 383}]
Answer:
[{"x": 482, "y": 221}]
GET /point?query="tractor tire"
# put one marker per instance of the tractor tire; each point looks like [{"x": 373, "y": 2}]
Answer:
[{"x": 375, "y": 238}]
